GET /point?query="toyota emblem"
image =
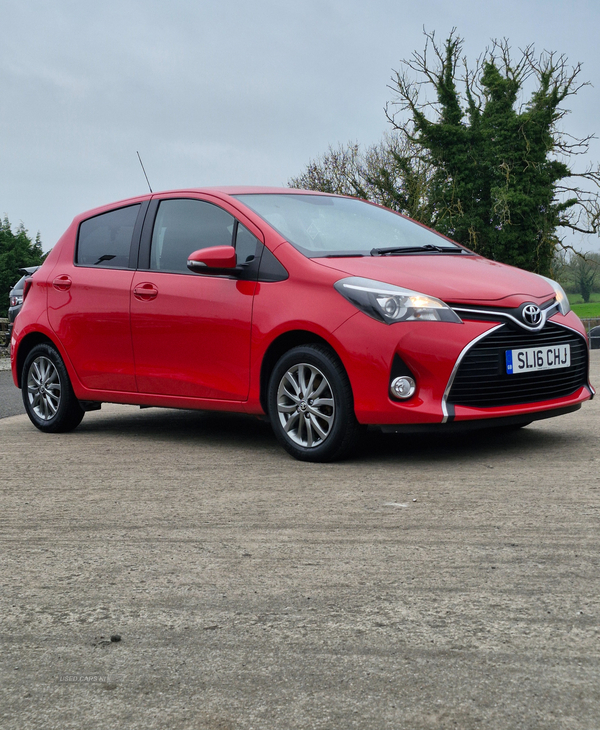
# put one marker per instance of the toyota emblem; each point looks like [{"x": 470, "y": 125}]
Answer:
[{"x": 532, "y": 315}]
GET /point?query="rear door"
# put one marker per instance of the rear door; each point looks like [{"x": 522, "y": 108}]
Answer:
[
  {"x": 191, "y": 332},
  {"x": 88, "y": 299}
]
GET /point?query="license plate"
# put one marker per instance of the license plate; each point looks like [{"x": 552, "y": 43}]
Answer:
[{"x": 537, "y": 358}]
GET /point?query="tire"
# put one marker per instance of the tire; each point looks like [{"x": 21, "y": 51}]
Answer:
[
  {"x": 311, "y": 406},
  {"x": 47, "y": 392}
]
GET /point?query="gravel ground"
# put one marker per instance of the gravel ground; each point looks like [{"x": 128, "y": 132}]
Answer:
[
  {"x": 424, "y": 584},
  {"x": 11, "y": 401}
]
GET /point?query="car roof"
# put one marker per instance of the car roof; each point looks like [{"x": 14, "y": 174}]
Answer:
[
  {"x": 222, "y": 192},
  {"x": 243, "y": 190},
  {"x": 257, "y": 190}
]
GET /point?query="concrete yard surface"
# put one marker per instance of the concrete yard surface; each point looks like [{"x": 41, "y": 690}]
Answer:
[{"x": 427, "y": 583}]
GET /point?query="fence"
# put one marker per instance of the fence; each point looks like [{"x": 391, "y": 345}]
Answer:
[
  {"x": 591, "y": 322},
  {"x": 3, "y": 336}
]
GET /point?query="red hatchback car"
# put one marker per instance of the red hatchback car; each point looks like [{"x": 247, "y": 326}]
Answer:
[{"x": 325, "y": 313}]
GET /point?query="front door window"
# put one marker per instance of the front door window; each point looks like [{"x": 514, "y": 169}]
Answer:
[{"x": 184, "y": 226}]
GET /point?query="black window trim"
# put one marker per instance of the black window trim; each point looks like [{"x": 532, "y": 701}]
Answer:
[{"x": 142, "y": 261}]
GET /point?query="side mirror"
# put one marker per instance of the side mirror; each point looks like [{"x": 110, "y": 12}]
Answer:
[{"x": 206, "y": 260}]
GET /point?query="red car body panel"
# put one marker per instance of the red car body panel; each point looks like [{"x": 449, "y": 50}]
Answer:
[
  {"x": 91, "y": 320},
  {"x": 485, "y": 281},
  {"x": 196, "y": 341},
  {"x": 200, "y": 323}
]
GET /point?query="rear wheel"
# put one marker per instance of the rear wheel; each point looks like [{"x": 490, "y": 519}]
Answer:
[
  {"x": 47, "y": 393},
  {"x": 311, "y": 406}
]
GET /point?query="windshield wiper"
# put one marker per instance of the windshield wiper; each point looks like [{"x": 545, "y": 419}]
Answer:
[
  {"x": 342, "y": 256},
  {"x": 415, "y": 249}
]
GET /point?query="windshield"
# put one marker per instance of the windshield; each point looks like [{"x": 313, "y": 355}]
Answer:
[{"x": 323, "y": 225}]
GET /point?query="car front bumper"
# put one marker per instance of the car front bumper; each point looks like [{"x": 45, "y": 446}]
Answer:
[{"x": 433, "y": 353}]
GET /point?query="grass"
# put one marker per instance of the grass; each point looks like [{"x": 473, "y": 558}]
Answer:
[
  {"x": 591, "y": 309},
  {"x": 587, "y": 310},
  {"x": 578, "y": 299}
]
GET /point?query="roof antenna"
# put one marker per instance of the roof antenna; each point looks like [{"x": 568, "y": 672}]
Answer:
[{"x": 144, "y": 169}]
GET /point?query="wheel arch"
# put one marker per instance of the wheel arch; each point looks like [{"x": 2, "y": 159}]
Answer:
[
  {"x": 26, "y": 345},
  {"x": 280, "y": 345}
]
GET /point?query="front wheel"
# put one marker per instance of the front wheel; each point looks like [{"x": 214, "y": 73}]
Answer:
[
  {"x": 311, "y": 406},
  {"x": 47, "y": 393}
]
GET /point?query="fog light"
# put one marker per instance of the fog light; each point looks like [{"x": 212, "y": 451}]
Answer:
[{"x": 403, "y": 387}]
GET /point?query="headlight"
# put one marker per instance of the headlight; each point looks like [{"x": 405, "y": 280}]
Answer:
[
  {"x": 561, "y": 298},
  {"x": 388, "y": 303}
]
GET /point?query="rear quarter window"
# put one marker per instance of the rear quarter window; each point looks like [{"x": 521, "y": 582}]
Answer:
[{"x": 104, "y": 241}]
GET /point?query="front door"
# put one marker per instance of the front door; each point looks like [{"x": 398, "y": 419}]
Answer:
[{"x": 190, "y": 332}]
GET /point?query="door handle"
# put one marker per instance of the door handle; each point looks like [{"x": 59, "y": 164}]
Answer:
[
  {"x": 145, "y": 291},
  {"x": 62, "y": 283}
]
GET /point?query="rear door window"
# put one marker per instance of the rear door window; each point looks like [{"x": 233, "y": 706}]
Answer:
[{"x": 104, "y": 241}]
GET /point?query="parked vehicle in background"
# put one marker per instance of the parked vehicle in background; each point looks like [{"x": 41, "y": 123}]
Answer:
[
  {"x": 326, "y": 313},
  {"x": 16, "y": 298}
]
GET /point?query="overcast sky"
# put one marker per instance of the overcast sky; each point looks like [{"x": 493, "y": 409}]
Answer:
[{"x": 230, "y": 92}]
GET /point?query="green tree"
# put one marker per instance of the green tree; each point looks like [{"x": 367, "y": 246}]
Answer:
[
  {"x": 502, "y": 182},
  {"x": 478, "y": 153},
  {"x": 583, "y": 271},
  {"x": 17, "y": 250}
]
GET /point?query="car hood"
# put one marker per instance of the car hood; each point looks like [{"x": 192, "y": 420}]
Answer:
[{"x": 451, "y": 278}]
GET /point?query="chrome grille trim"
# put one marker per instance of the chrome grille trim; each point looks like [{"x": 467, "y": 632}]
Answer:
[
  {"x": 502, "y": 315},
  {"x": 464, "y": 351}
]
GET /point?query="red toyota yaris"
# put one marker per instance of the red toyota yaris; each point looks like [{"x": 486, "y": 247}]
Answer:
[{"x": 325, "y": 313}]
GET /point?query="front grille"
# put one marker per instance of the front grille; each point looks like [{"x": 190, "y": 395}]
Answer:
[{"x": 482, "y": 382}]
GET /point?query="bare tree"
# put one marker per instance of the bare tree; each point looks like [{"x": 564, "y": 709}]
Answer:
[{"x": 390, "y": 173}]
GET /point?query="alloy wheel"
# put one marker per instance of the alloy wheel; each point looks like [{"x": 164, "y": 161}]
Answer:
[
  {"x": 43, "y": 388},
  {"x": 305, "y": 405}
]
